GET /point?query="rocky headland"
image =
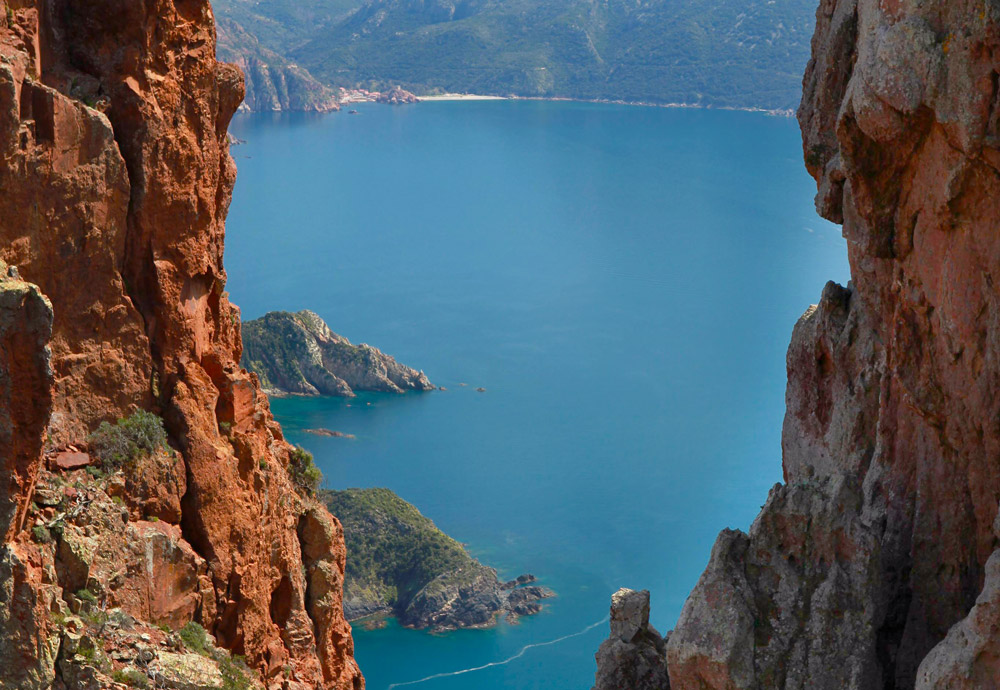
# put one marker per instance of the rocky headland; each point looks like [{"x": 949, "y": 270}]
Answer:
[
  {"x": 875, "y": 564},
  {"x": 298, "y": 354},
  {"x": 116, "y": 179},
  {"x": 273, "y": 83},
  {"x": 401, "y": 564}
]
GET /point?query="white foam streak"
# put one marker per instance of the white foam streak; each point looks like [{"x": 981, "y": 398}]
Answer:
[{"x": 505, "y": 661}]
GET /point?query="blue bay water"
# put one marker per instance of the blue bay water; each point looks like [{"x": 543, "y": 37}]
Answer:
[{"x": 623, "y": 281}]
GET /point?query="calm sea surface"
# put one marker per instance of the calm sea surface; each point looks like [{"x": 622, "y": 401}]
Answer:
[{"x": 622, "y": 280}]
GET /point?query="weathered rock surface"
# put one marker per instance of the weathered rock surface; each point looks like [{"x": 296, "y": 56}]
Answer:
[
  {"x": 634, "y": 656},
  {"x": 400, "y": 563},
  {"x": 299, "y": 354},
  {"x": 25, "y": 393},
  {"x": 873, "y": 565},
  {"x": 116, "y": 180}
]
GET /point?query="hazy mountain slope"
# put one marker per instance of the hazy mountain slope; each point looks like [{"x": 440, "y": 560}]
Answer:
[
  {"x": 272, "y": 82},
  {"x": 258, "y": 36},
  {"x": 738, "y": 53}
]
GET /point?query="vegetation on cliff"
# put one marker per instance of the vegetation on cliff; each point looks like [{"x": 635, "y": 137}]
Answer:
[
  {"x": 399, "y": 562},
  {"x": 125, "y": 442}
]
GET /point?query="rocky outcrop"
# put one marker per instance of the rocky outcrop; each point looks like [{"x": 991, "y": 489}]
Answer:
[
  {"x": 299, "y": 354},
  {"x": 873, "y": 565},
  {"x": 116, "y": 180},
  {"x": 272, "y": 82},
  {"x": 401, "y": 564},
  {"x": 396, "y": 96},
  {"x": 470, "y": 596},
  {"x": 634, "y": 656}
]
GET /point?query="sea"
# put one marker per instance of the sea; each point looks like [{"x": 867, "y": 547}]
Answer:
[{"x": 621, "y": 280}]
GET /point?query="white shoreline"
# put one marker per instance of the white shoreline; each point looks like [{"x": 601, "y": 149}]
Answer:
[
  {"x": 778, "y": 112},
  {"x": 461, "y": 97}
]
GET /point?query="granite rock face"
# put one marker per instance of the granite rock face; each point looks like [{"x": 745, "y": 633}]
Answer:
[
  {"x": 872, "y": 565},
  {"x": 299, "y": 354},
  {"x": 116, "y": 181},
  {"x": 634, "y": 656}
]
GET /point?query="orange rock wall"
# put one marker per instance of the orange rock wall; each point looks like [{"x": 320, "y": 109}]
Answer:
[{"x": 116, "y": 180}]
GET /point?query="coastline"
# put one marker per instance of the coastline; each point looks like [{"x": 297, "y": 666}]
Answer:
[
  {"x": 462, "y": 97},
  {"x": 775, "y": 112}
]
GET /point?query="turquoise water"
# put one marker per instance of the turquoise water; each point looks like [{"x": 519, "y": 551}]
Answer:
[{"x": 623, "y": 281}]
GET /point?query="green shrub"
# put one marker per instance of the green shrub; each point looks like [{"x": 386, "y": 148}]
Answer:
[
  {"x": 194, "y": 637},
  {"x": 86, "y": 595},
  {"x": 235, "y": 673},
  {"x": 95, "y": 472},
  {"x": 95, "y": 617},
  {"x": 41, "y": 534},
  {"x": 128, "y": 440},
  {"x": 303, "y": 471},
  {"x": 132, "y": 677}
]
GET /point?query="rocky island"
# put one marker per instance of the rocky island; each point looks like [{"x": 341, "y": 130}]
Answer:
[
  {"x": 298, "y": 354},
  {"x": 399, "y": 563}
]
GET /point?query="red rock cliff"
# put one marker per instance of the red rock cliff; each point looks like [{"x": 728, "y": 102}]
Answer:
[
  {"x": 116, "y": 179},
  {"x": 875, "y": 564}
]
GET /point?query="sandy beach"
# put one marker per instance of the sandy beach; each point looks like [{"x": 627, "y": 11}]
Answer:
[{"x": 462, "y": 97}]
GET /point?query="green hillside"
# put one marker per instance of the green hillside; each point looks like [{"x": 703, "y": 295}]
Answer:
[{"x": 734, "y": 53}]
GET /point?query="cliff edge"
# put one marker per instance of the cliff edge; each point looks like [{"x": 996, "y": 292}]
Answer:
[
  {"x": 875, "y": 563},
  {"x": 116, "y": 181}
]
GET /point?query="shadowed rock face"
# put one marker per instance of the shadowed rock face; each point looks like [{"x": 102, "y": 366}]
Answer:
[
  {"x": 25, "y": 393},
  {"x": 116, "y": 181},
  {"x": 873, "y": 565}
]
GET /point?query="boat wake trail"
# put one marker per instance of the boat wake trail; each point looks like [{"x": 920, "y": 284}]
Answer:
[{"x": 509, "y": 659}]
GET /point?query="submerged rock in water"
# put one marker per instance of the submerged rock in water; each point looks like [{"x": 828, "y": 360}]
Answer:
[{"x": 298, "y": 354}]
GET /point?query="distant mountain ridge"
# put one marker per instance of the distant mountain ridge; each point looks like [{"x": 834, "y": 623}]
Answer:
[{"x": 736, "y": 53}]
